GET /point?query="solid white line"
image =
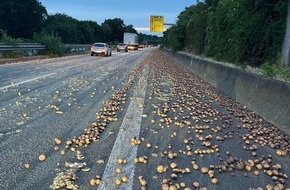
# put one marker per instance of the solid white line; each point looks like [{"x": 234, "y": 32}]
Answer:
[
  {"x": 26, "y": 81},
  {"x": 122, "y": 148}
]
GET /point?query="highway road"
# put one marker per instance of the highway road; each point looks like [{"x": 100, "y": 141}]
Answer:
[{"x": 135, "y": 120}]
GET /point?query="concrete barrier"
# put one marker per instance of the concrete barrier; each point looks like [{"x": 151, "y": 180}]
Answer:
[{"x": 267, "y": 97}]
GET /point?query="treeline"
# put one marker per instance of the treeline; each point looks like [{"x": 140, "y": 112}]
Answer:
[
  {"x": 245, "y": 32},
  {"x": 29, "y": 21},
  {"x": 71, "y": 30}
]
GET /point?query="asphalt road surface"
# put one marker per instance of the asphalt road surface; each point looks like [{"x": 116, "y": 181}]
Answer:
[{"x": 135, "y": 120}]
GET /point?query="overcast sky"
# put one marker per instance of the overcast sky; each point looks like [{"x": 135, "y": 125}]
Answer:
[{"x": 135, "y": 12}]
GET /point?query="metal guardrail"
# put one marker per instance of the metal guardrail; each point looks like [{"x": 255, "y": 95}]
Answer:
[
  {"x": 77, "y": 47},
  {"x": 38, "y": 46},
  {"x": 21, "y": 46}
]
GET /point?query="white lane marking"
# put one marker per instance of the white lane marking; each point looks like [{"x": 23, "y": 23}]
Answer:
[
  {"x": 123, "y": 54},
  {"x": 122, "y": 148},
  {"x": 26, "y": 81}
]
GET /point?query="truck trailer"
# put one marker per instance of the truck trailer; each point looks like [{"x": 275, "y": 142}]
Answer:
[{"x": 131, "y": 39}]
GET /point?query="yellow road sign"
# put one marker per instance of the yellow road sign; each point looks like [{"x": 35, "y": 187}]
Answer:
[{"x": 156, "y": 23}]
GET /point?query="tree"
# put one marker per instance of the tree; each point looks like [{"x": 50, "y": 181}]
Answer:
[
  {"x": 195, "y": 31},
  {"x": 246, "y": 31},
  {"x": 107, "y": 33},
  {"x": 20, "y": 19},
  {"x": 211, "y": 4},
  {"x": 117, "y": 28},
  {"x": 149, "y": 39},
  {"x": 98, "y": 32},
  {"x": 176, "y": 34},
  {"x": 85, "y": 32},
  {"x": 63, "y": 26},
  {"x": 130, "y": 29},
  {"x": 53, "y": 43}
]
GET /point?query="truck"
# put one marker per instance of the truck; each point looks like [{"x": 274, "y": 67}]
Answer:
[{"x": 131, "y": 39}]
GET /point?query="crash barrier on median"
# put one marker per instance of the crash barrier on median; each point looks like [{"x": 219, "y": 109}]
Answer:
[{"x": 267, "y": 97}]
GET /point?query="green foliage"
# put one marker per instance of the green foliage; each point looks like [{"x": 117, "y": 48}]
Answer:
[
  {"x": 244, "y": 32},
  {"x": 211, "y": 4},
  {"x": 85, "y": 32},
  {"x": 174, "y": 39},
  {"x": 225, "y": 35},
  {"x": 107, "y": 33},
  {"x": 114, "y": 30},
  {"x": 274, "y": 70},
  {"x": 189, "y": 31},
  {"x": 89, "y": 32},
  {"x": 149, "y": 39},
  {"x": 9, "y": 40},
  {"x": 21, "y": 18},
  {"x": 284, "y": 72},
  {"x": 268, "y": 70},
  {"x": 195, "y": 30},
  {"x": 12, "y": 54},
  {"x": 130, "y": 29},
  {"x": 63, "y": 26},
  {"x": 53, "y": 44}
]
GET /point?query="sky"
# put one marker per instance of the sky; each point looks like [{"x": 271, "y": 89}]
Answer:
[{"x": 134, "y": 12}]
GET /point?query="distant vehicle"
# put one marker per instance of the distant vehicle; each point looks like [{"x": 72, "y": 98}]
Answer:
[
  {"x": 141, "y": 46},
  {"x": 131, "y": 39},
  {"x": 101, "y": 49},
  {"x": 122, "y": 47}
]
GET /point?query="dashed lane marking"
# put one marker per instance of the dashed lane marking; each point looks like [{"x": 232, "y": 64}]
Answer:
[
  {"x": 122, "y": 148},
  {"x": 26, "y": 81}
]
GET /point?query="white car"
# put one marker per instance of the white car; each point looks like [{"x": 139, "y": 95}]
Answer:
[{"x": 101, "y": 49}]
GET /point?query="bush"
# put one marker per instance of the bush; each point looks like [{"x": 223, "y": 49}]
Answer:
[
  {"x": 268, "y": 70},
  {"x": 7, "y": 40},
  {"x": 12, "y": 54},
  {"x": 284, "y": 72},
  {"x": 245, "y": 31},
  {"x": 53, "y": 44},
  {"x": 276, "y": 71},
  {"x": 174, "y": 41}
]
